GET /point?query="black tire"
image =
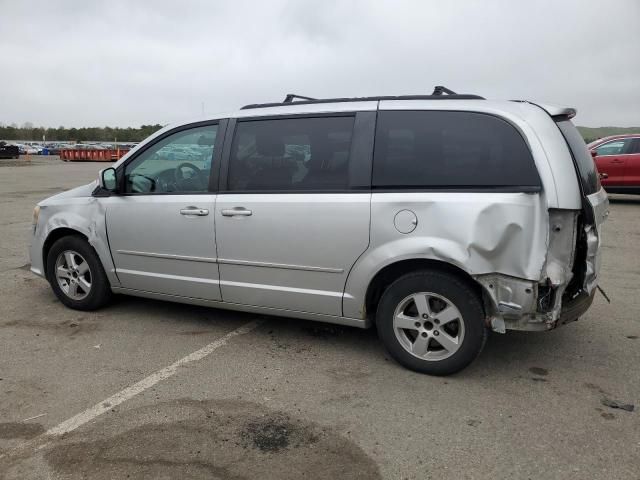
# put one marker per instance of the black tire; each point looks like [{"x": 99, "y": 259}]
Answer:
[
  {"x": 100, "y": 292},
  {"x": 459, "y": 294}
]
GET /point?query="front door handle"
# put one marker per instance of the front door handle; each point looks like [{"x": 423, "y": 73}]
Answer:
[
  {"x": 200, "y": 212},
  {"x": 617, "y": 160},
  {"x": 236, "y": 212}
]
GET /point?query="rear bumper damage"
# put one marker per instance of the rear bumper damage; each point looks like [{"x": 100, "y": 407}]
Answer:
[
  {"x": 568, "y": 279},
  {"x": 573, "y": 309},
  {"x": 516, "y": 304}
]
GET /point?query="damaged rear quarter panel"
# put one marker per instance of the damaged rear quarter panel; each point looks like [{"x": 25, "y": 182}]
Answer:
[
  {"x": 482, "y": 233},
  {"x": 515, "y": 304}
]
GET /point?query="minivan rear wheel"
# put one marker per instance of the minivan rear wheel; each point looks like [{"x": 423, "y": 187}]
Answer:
[
  {"x": 431, "y": 322},
  {"x": 76, "y": 275}
]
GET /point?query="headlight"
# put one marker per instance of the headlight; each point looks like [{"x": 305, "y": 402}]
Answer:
[{"x": 36, "y": 214}]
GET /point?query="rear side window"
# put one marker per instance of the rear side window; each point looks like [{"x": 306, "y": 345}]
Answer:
[
  {"x": 635, "y": 146},
  {"x": 584, "y": 161},
  {"x": 440, "y": 149},
  {"x": 291, "y": 154}
]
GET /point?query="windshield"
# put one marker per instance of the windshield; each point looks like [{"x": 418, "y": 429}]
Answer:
[{"x": 582, "y": 157}]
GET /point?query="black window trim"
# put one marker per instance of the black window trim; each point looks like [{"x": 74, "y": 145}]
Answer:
[
  {"x": 215, "y": 166},
  {"x": 459, "y": 189},
  {"x": 565, "y": 118},
  {"x": 463, "y": 188},
  {"x": 360, "y": 152}
]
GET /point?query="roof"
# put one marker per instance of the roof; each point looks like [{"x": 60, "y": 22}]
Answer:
[{"x": 441, "y": 99}]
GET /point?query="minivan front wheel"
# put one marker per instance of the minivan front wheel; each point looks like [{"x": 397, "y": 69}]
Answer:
[
  {"x": 431, "y": 322},
  {"x": 76, "y": 275},
  {"x": 73, "y": 275}
]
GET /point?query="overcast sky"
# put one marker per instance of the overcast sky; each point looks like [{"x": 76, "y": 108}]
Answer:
[{"x": 126, "y": 63}]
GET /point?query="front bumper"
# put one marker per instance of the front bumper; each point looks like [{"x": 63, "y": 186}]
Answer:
[{"x": 35, "y": 253}]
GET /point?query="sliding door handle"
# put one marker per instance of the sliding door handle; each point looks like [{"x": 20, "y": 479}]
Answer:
[
  {"x": 236, "y": 212},
  {"x": 200, "y": 212}
]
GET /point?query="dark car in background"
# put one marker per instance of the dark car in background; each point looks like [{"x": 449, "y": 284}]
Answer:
[
  {"x": 9, "y": 151},
  {"x": 618, "y": 160}
]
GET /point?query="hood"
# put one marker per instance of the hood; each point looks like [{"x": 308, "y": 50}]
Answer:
[{"x": 83, "y": 191}]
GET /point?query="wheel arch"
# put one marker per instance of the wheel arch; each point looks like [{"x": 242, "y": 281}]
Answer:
[
  {"x": 391, "y": 272},
  {"x": 76, "y": 242},
  {"x": 54, "y": 236}
]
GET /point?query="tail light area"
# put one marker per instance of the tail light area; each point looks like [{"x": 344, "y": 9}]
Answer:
[{"x": 562, "y": 267}]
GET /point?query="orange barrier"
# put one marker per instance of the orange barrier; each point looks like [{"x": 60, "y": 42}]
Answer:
[{"x": 72, "y": 154}]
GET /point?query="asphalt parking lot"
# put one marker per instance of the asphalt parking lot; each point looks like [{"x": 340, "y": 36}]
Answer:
[{"x": 278, "y": 398}]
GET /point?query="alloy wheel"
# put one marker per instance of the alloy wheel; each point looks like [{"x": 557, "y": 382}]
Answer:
[
  {"x": 428, "y": 326},
  {"x": 73, "y": 275}
]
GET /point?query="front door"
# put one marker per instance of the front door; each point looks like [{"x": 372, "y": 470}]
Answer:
[
  {"x": 610, "y": 160},
  {"x": 161, "y": 228},
  {"x": 291, "y": 222}
]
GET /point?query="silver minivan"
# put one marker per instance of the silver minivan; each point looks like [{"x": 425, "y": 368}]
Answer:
[{"x": 435, "y": 218}]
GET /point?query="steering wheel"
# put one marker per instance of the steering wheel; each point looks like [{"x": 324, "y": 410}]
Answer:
[
  {"x": 138, "y": 188},
  {"x": 194, "y": 183}
]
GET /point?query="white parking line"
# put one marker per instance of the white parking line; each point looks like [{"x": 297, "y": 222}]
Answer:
[
  {"x": 139, "y": 387},
  {"x": 129, "y": 392}
]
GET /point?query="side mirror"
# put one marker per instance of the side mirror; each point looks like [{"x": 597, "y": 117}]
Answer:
[
  {"x": 108, "y": 180},
  {"x": 594, "y": 153}
]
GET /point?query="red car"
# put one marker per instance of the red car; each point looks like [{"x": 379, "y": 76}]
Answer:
[{"x": 618, "y": 161}]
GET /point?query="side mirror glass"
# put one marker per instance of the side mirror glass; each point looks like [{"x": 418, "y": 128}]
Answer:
[{"x": 108, "y": 179}]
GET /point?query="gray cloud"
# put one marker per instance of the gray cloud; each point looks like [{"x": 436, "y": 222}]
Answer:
[{"x": 79, "y": 63}]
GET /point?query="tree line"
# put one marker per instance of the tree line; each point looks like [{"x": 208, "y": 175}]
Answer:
[
  {"x": 594, "y": 133},
  {"x": 28, "y": 132}
]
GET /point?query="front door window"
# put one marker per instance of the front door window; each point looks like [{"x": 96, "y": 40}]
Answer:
[
  {"x": 612, "y": 148},
  {"x": 179, "y": 163}
]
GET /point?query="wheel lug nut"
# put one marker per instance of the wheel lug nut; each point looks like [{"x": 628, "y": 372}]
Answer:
[
  {"x": 424, "y": 334},
  {"x": 424, "y": 315},
  {"x": 436, "y": 333},
  {"x": 417, "y": 324}
]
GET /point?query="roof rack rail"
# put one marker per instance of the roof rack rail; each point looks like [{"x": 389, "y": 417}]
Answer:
[
  {"x": 292, "y": 96},
  {"x": 438, "y": 94}
]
